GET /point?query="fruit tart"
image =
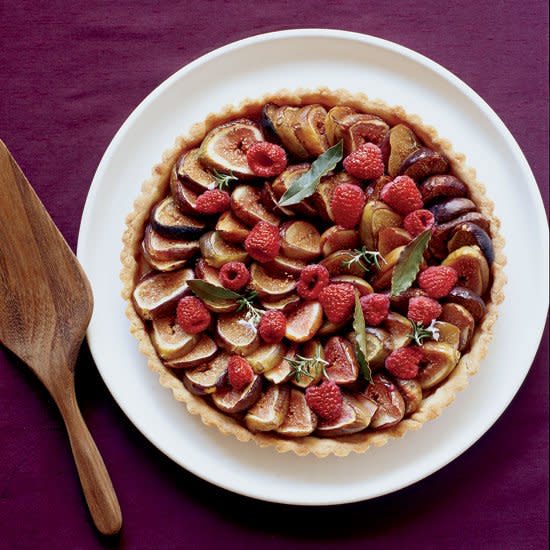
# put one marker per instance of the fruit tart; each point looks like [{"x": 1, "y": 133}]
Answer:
[{"x": 313, "y": 270}]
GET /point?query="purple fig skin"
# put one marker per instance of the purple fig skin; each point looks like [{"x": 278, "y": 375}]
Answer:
[
  {"x": 442, "y": 187},
  {"x": 246, "y": 399},
  {"x": 469, "y": 300},
  {"x": 422, "y": 163},
  {"x": 401, "y": 303},
  {"x": 199, "y": 389},
  {"x": 471, "y": 234},
  {"x": 451, "y": 209}
]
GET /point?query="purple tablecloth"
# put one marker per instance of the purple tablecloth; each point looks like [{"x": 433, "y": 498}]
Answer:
[{"x": 69, "y": 78}]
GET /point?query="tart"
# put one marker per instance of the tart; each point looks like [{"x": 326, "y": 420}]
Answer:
[{"x": 313, "y": 270}]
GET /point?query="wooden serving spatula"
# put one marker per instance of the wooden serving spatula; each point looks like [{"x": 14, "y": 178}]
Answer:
[{"x": 45, "y": 306}]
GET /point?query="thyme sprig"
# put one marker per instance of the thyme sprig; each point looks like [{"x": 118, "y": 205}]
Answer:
[
  {"x": 421, "y": 333},
  {"x": 307, "y": 366},
  {"x": 223, "y": 180},
  {"x": 253, "y": 314},
  {"x": 364, "y": 258}
]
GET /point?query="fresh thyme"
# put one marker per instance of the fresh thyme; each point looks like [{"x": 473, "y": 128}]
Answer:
[
  {"x": 307, "y": 366},
  {"x": 364, "y": 258},
  {"x": 253, "y": 314},
  {"x": 223, "y": 180},
  {"x": 420, "y": 333}
]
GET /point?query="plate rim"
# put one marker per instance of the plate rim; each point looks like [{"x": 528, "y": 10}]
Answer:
[{"x": 541, "y": 221}]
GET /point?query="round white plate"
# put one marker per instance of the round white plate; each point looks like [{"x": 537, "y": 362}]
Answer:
[{"x": 313, "y": 58}]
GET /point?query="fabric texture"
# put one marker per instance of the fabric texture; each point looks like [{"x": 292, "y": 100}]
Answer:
[{"x": 70, "y": 76}]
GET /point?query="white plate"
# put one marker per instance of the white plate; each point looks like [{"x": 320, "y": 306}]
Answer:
[{"x": 312, "y": 58}]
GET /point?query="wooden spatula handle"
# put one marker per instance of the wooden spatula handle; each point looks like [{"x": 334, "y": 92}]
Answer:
[{"x": 96, "y": 483}]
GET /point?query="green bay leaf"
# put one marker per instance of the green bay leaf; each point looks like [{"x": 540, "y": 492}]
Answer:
[
  {"x": 361, "y": 347},
  {"x": 408, "y": 264},
  {"x": 306, "y": 184},
  {"x": 210, "y": 292}
]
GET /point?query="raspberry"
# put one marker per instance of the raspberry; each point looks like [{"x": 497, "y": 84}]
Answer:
[
  {"x": 365, "y": 162},
  {"x": 438, "y": 281},
  {"x": 313, "y": 279},
  {"x": 325, "y": 400},
  {"x": 266, "y": 159},
  {"x": 213, "y": 201},
  {"x": 240, "y": 372},
  {"x": 402, "y": 195},
  {"x": 423, "y": 310},
  {"x": 404, "y": 362},
  {"x": 192, "y": 315},
  {"x": 347, "y": 205},
  {"x": 375, "y": 308},
  {"x": 272, "y": 326},
  {"x": 263, "y": 242},
  {"x": 234, "y": 275},
  {"x": 337, "y": 300},
  {"x": 418, "y": 221}
]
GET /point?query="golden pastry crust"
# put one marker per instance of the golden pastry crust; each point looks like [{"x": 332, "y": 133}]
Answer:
[{"x": 156, "y": 188}]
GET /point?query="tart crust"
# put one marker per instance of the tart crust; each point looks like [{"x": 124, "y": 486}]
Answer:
[{"x": 431, "y": 407}]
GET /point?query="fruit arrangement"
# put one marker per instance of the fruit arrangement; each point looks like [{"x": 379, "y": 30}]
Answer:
[{"x": 314, "y": 271}]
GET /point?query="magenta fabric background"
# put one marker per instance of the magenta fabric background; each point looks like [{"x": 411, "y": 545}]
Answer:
[{"x": 69, "y": 78}]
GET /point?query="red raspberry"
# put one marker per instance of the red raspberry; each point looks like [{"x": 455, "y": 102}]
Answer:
[
  {"x": 423, "y": 310},
  {"x": 375, "y": 308},
  {"x": 263, "y": 242},
  {"x": 337, "y": 300},
  {"x": 437, "y": 281},
  {"x": 404, "y": 362},
  {"x": 192, "y": 315},
  {"x": 272, "y": 326},
  {"x": 402, "y": 195},
  {"x": 234, "y": 275},
  {"x": 266, "y": 159},
  {"x": 365, "y": 162},
  {"x": 418, "y": 221},
  {"x": 313, "y": 279},
  {"x": 325, "y": 400},
  {"x": 240, "y": 372},
  {"x": 213, "y": 201},
  {"x": 347, "y": 205}
]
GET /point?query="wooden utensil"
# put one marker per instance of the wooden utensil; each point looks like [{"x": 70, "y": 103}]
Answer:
[{"x": 45, "y": 306}]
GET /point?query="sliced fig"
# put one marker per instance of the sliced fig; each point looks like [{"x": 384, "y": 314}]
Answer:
[
  {"x": 161, "y": 249},
  {"x": 237, "y": 334},
  {"x": 231, "y": 401},
  {"x": 343, "y": 367},
  {"x": 270, "y": 286},
  {"x": 304, "y": 322},
  {"x": 423, "y": 163},
  {"x": 328, "y": 328},
  {"x": 338, "y": 238},
  {"x": 267, "y": 120},
  {"x": 159, "y": 293},
  {"x": 403, "y": 142},
  {"x": 217, "y": 252},
  {"x": 169, "y": 339},
  {"x": 168, "y": 221},
  {"x": 382, "y": 280},
  {"x": 390, "y": 238},
  {"x": 300, "y": 420},
  {"x": 310, "y": 129},
  {"x": 439, "y": 361},
  {"x": 162, "y": 265},
  {"x": 443, "y": 186},
  {"x": 450, "y": 209},
  {"x": 411, "y": 391},
  {"x": 322, "y": 197},
  {"x": 311, "y": 349},
  {"x": 283, "y": 371},
  {"x": 362, "y": 128},
  {"x": 207, "y": 378},
  {"x": 203, "y": 352},
  {"x": 337, "y": 264},
  {"x": 269, "y": 411},
  {"x": 334, "y": 123},
  {"x": 285, "y": 180},
  {"x": 379, "y": 346},
  {"x": 231, "y": 229},
  {"x": 300, "y": 240},
  {"x": 450, "y": 334},
  {"x": 354, "y": 418},
  {"x": 376, "y": 216},
  {"x": 468, "y": 234},
  {"x": 468, "y": 299},
  {"x": 207, "y": 273},
  {"x": 184, "y": 197},
  {"x": 266, "y": 357},
  {"x": 246, "y": 203},
  {"x": 401, "y": 303},
  {"x": 269, "y": 200},
  {"x": 224, "y": 147},
  {"x": 286, "y": 304},
  {"x": 442, "y": 233},
  {"x": 399, "y": 328},
  {"x": 285, "y": 266},
  {"x": 472, "y": 268},
  {"x": 391, "y": 406},
  {"x": 372, "y": 192},
  {"x": 460, "y": 317},
  {"x": 285, "y": 119},
  {"x": 191, "y": 172},
  {"x": 362, "y": 286}
]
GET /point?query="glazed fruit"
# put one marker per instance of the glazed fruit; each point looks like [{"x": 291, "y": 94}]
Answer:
[{"x": 340, "y": 269}]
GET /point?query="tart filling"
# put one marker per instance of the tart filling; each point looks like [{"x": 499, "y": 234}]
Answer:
[{"x": 313, "y": 270}]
